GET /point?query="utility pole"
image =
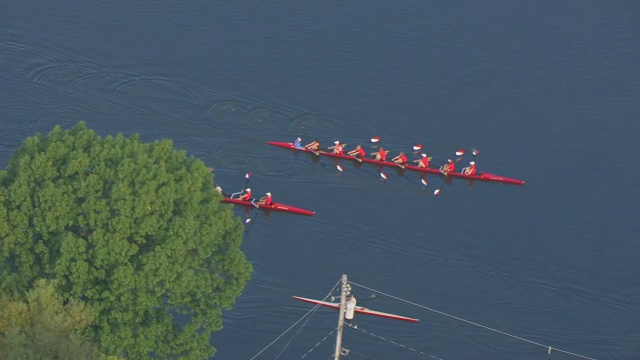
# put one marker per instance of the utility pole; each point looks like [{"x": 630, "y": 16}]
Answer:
[{"x": 343, "y": 304}]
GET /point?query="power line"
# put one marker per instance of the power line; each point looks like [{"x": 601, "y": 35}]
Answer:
[
  {"x": 391, "y": 341},
  {"x": 296, "y": 323},
  {"x": 548, "y": 347},
  {"x": 318, "y": 344}
]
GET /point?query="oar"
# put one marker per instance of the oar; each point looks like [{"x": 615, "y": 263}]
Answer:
[
  {"x": 437, "y": 191},
  {"x": 250, "y": 222},
  {"x": 423, "y": 180},
  {"x": 409, "y": 180},
  {"x": 247, "y": 176}
]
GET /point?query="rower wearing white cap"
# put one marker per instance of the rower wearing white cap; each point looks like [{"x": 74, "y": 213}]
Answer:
[
  {"x": 423, "y": 162},
  {"x": 471, "y": 169},
  {"x": 247, "y": 195},
  {"x": 448, "y": 167},
  {"x": 337, "y": 148},
  {"x": 266, "y": 200},
  {"x": 298, "y": 143}
]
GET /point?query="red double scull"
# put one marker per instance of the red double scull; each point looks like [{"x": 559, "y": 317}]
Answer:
[
  {"x": 483, "y": 176},
  {"x": 273, "y": 206}
]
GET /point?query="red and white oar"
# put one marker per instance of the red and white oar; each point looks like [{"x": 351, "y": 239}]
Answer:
[
  {"x": 339, "y": 168},
  {"x": 460, "y": 152},
  {"x": 247, "y": 176},
  {"x": 417, "y": 147},
  {"x": 437, "y": 191},
  {"x": 375, "y": 139},
  {"x": 383, "y": 175},
  {"x": 424, "y": 181},
  {"x": 246, "y": 182}
]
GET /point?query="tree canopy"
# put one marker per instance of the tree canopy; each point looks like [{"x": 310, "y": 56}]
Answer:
[
  {"x": 45, "y": 326},
  {"x": 135, "y": 230}
]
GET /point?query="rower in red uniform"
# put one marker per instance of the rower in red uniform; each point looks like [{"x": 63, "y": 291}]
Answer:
[
  {"x": 400, "y": 159},
  {"x": 380, "y": 155},
  {"x": 266, "y": 200},
  {"x": 424, "y": 162},
  {"x": 337, "y": 148},
  {"x": 247, "y": 195},
  {"x": 357, "y": 152},
  {"x": 471, "y": 169},
  {"x": 448, "y": 167}
]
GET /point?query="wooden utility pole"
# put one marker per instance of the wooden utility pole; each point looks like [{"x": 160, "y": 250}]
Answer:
[{"x": 343, "y": 304}]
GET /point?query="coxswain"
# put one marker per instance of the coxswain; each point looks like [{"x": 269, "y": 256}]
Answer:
[
  {"x": 313, "y": 146},
  {"x": 471, "y": 169},
  {"x": 357, "y": 152},
  {"x": 337, "y": 148},
  {"x": 218, "y": 188},
  {"x": 423, "y": 162},
  {"x": 448, "y": 167},
  {"x": 247, "y": 195},
  {"x": 266, "y": 199},
  {"x": 380, "y": 155},
  {"x": 400, "y": 159},
  {"x": 298, "y": 144}
]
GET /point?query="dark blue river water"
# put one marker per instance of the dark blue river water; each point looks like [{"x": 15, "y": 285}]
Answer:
[{"x": 547, "y": 91}]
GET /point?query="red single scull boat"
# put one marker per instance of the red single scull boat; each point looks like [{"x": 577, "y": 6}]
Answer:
[
  {"x": 483, "y": 176},
  {"x": 358, "y": 309},
  {"x": 273, "y": 206}
]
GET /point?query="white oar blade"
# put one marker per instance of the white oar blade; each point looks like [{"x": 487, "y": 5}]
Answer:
[
  {"x": 424, "y": 182},
  {"x": 383, "y": 175},
  {"x": 460, "y": 152},
  {"x": 247, "y": 221},
  {"x": 475, "y": 152},
  {"x": 375, "y": 139},
  {"x": 417, "y": 147},
  {"x": 437, "y": 192},
  {"x": 247, "y": 175},
  {"x": 339, "y": 168}
]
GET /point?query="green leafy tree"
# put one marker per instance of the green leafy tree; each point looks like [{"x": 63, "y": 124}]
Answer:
[
  {"x": 135, "y": 230},
  {"x": 45, "y": 326}
]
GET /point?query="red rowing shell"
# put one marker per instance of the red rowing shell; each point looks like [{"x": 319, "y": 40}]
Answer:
[
  {"x": 274, "y": 206},
  {"x": 358, "y": 309},
  {"x": 483, "y": 176}
]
